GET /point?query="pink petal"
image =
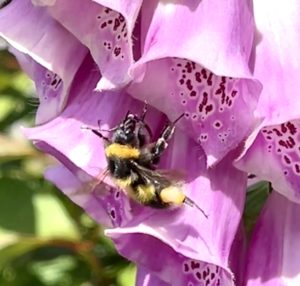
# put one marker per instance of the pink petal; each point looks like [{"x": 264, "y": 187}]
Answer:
[
  {"x": 106, "y": 32},
  {"x": 216, "y": 34},
  {"x": 146, "y": 278},
  {"x": 273, "y": 258},
  {"x": 71, "y": 182},
  {"x": 220, "y": 192},
  {"x": 43, "y": 2},
  {"x": 276, "y": 59},
  {"x": 44, "y": 41},
  {"x": 278, "y": 147},
  {"x": 219, "y": 110},
  {"x": 162, "y": 265}
]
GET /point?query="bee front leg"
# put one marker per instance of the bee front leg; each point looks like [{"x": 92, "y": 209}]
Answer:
[
  {"x": 97, "y": 132},
  {"x": 162, "y": 143}
]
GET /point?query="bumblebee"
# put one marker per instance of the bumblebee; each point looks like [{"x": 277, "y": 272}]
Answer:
[{"x": 132, "y": 162}]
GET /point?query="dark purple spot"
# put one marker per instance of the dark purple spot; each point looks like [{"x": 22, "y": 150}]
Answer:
[
  {"x": 109, "y": 22},
  {"x": 193, "y": 93},
  {"x": 198, "y": 76},
  {"x": 123, "y": 28},
  {"x": 116, "y": 24},
  {"x": 287, "y": 159},
  {"x": 204, "y": 274},
  {"x": 103, "y": 25},
  {"x": 212, "y": 276},
  {"x": 117, "y": 51},
  {"x": 189, "y": 84},
  {"x": 234, "y": 93},
  {"x": 113, "y": 214},
  {"x": 195, "y": 265},
  {"x": 283, "y": 128},
  {"x": 297, "y": 168},
  {"x": 283, "y": 144},
  {"x": 217, "y": 124},
  {"x": 291, "y": 142},
  {"x": 204, "y": 73},
  {"x": 121, "y": 18},
  {"x": 277, "y": 132},
  {"x": 292, "y": 128},
  {"x": 198, "y": 274},
  {"x": 209, "y": 80},
  {"x": 208, "y": 108},
  {"x": 185, "y": 267},
  {"x": 188, "y": 67}
]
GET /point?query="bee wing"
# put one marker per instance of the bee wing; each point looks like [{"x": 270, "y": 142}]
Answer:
[
  {"x": 173, "y": 175},
  {"x": 151, "y": 175},
  {"x": 96, "y": 184}
]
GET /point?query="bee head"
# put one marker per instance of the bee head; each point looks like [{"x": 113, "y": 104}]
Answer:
[
  {"x": 132, "y": 131},
  {"x": 125, "y": 132}
]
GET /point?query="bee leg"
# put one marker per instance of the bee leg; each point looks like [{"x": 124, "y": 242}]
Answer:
[
  {"x": 191, "y": 203},
  {"x": 97, "y": 132},
  {"x": 145, "y": 109},
  {"x": 162, "y": 142}
]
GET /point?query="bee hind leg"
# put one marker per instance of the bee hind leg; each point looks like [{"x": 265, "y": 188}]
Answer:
[{"x": 191, "y": 203}]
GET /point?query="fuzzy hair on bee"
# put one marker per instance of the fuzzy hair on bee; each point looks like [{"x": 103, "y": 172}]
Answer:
[{"x": 132, "y": 160}]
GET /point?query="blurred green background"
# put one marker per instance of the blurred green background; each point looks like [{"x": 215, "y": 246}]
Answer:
[{"x": 44, "y": 238}]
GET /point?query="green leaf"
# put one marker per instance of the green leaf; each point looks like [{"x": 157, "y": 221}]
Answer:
[
  {"x": 256, "y": 198},
  {"x": 126, "y": 277},
  {"x": 17, "y": 209}
]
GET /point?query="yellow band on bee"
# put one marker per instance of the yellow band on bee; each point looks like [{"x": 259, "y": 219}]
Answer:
[{"x": 121, "y": 151}]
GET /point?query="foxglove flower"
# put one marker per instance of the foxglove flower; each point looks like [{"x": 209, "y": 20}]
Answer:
[
  {"x": 203, "y": 74},
  {"x": 272, "y": 259}
]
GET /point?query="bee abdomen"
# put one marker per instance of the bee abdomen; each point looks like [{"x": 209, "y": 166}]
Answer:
[{"x": 172, "y": 195}]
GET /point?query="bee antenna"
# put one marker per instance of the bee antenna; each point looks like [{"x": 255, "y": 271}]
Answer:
[
  {"x": 191, "y": 203},
  {"x": 176, "y": 120}
]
